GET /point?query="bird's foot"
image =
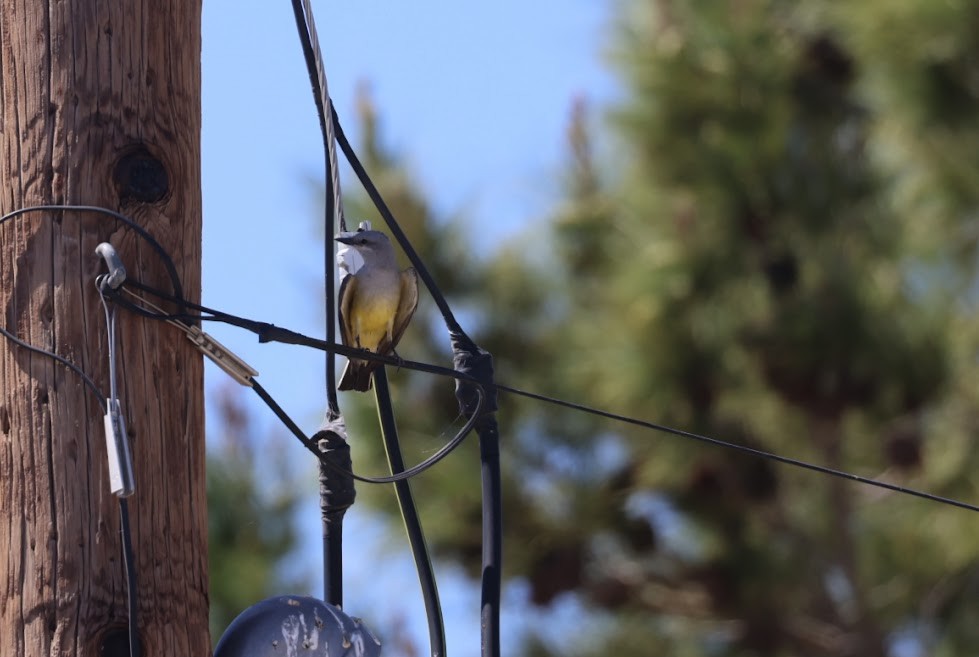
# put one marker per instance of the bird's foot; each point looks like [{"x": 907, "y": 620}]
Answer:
[{"x": 397, "y": 357}]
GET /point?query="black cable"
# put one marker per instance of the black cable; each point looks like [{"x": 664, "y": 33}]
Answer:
[
  {"x": 332, "y": 554},
  {"x": 301, "y": 10},
  {"x": 413, "y": 471},
  {"x": 409, "y": 513},
  {"x": 303, "y": 14},
  {"x": 130, "y": 566},
  {"x": 337, "y": 494},
  {"x": 178, "y": 291},
  {"x": 740, "y": 448},
  {"x": 332, "y": 518},
  {"x": 85, "y": 378},
  {"x": 477, "y": 364},
  {"x": 492, "y": 558}
]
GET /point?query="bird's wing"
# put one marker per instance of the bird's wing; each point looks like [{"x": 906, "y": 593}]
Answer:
[
  {"x": 348, "y": 288},
  {"x": 406, "y": 307}
]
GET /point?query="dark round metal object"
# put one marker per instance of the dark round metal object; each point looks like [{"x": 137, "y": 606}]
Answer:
[{"x": 296, "y": 626}]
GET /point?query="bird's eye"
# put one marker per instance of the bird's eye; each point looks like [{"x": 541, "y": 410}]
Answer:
[{"x": 363, "y": 240}]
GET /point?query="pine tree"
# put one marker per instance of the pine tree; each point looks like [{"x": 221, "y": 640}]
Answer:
[{"x": 755, "y": 272}]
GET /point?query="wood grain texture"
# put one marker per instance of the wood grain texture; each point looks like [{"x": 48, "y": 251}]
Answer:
[{"x": 85, "y": 82}]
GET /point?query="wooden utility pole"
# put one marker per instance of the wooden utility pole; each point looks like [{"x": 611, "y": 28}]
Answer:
[{"x": 99, "y": 105}]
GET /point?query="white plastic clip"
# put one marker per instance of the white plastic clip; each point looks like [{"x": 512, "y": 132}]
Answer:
[{"x": 122, "y": 481}]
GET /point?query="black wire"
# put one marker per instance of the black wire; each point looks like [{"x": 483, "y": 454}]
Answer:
[
  {"x": 332, "y": 519},
  {"x": 740, "y": 448},
  {"x": 409, "y": 513},
  {"x": 300, "y": 10},
  {"x": 303, "y": 13},
  {"x": 178, "y": 292},
  {"x": 130, "y": 566},
  {"x": 413, "y": 471},
  {"x": 85, "y": 378},
  {"x": 333, "y": 551},
  {"x": 492, "y": 532}
]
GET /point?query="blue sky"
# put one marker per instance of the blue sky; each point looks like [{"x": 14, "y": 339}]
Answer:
[{"x": 475, "y": 96}]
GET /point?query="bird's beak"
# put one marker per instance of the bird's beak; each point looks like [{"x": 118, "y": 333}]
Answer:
[{"x": 345, "y": 238}]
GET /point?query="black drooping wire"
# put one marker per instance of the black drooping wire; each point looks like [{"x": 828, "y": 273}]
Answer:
[
  {"x": 744, "y": 449},
  {"x": 409, "y": 513},
  {"x": 130, "y": 565},
  {"x": 79, "y": 372},
  {"x": 413, "y": 471}
]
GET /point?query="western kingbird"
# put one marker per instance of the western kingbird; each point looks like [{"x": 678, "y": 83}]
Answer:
[{"x": 375, "y": 305}]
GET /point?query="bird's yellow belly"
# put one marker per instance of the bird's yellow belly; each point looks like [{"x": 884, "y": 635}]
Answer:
[{"x": 372, "y": 321}]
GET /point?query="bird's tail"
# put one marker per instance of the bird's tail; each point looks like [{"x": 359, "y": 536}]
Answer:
[{"x": 357, "y": 376}]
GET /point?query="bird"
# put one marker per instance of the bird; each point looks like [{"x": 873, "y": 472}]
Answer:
[{"x": 375, "y": 304}]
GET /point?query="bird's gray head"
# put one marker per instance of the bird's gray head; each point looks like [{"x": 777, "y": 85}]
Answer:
[{"x": 367, "y": 242}]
